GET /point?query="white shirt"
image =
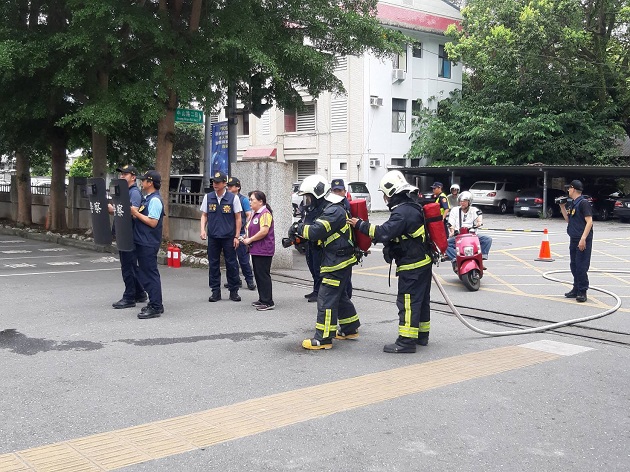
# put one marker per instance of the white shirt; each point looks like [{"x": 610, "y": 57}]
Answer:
[
  {"x": 237, "y": 203},
  {"x": 469, "y": 219}
]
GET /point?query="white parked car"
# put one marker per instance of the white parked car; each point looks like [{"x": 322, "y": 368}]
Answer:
[
  {"x": 498, "y": 195},
  {"x": 359, "y": 190}
]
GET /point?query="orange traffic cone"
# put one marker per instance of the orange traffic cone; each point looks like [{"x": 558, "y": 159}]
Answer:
[{"x": 545, "y": 251}]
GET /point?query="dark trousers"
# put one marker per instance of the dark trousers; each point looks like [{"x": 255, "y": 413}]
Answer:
[
  {"x": 413, "y": 302},
  {"x": 215, "y": 246},
  {"x": 334, "y": 306},
  {"x": 262, "y": 273},
  {"x": 149, "y": 275},
  {"x": 314, "y": 262},
  {"x": 580, "y": 263},
  {"x": 243, "y": 261},
  {"x": 129, "y": 269}
]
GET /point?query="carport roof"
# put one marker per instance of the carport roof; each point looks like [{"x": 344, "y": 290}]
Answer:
[{"x": 531, "y": 170}]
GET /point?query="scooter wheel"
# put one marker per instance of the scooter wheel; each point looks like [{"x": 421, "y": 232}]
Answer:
[{"x": 472, "y": 280}]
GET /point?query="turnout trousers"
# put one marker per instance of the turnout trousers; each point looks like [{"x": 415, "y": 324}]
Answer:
[
  {"x": 334, "y": 307},
  {"x": 413, "y": 302}
]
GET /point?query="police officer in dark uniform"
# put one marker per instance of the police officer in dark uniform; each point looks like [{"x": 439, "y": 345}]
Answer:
[
  {"x": 221, "y": 226},
  {"x": 333, "y": 232},
  {"x": 579, "y": 216},
  {"x": 403, "y": 235},
  {"x": 147, "y": 237},
  {"x": 134, "y": 291}
]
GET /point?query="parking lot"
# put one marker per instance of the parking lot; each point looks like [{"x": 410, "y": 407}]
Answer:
[{"x": 224, "y": 387}]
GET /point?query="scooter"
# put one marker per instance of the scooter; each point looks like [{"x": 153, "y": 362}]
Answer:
[{"x": 468, "y": 263}]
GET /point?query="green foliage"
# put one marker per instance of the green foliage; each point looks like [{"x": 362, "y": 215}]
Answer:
[
  {"x": 81, "y": 167},
  {"x": 187, "y": 148},
  {"x": 543, "y": 84}
]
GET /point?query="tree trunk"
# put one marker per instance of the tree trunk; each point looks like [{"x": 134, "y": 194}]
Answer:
[
  {"x": 22, "y": 172},
  {"x": 99, "y": 140},
  {"x": 57, "y": 210},
  {"x": 164, "y": 153}
]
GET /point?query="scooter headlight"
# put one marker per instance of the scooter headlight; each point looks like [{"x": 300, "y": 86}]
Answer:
[{"x": 469, "y": 251}]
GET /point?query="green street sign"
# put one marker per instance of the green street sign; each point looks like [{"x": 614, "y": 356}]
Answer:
[{"x": 185, "y": 115}]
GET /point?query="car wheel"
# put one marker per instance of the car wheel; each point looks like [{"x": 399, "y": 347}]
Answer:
[
  {"x": 602, "y": 214},
  {"x": 503, "y": 207},
  {"x": 549, "y": 212}
]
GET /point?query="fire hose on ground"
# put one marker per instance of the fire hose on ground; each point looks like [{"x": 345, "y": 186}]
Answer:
[{"x": 546, "y": 275}]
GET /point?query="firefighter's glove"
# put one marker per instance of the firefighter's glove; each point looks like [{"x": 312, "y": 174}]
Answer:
[{"x": 296, "y": 229}]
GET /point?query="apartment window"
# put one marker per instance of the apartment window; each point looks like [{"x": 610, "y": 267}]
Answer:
[
  {"x": 444, "y": 64},
  {"x": 417, "y": 51},
  {"x": 242, "y": 128},
  {"x": 416, "y": 107},
  {"x": 298, "y": 121},
  {"x": 399, "y": 61},
  {"x": 343, "y": 166},
  {"x": 399, "y": 115}
]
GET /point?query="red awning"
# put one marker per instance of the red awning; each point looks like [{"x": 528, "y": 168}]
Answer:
[{"x": 260, "y": 152}]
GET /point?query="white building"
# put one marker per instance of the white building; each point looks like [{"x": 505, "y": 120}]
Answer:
[{"x": 358, "y": 135}]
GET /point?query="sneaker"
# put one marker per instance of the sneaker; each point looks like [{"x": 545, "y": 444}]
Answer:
[
  {"x": 265, "y": 307},
  {"x": 572, "y": 294},
  {"x": 309, "y": 295},
  {"x": 312, "y": 298},
  {"x": 234, "y": 296},
  {"x": 215, "y": 297},
  {"x": 349, "y": 335},
  {"x": 251, "y": 285},
  {"x": 143, "y": 297},
  {"x": 581, "y": 297},
  {"x": 315, "y": 344},
  {"x": 257, "y": 303}
]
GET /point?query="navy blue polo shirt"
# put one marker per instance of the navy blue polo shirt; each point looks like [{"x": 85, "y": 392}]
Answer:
[{"x": 577, "y": 211}]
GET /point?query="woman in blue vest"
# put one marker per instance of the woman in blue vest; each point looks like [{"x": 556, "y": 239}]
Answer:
[
  {"x": 262, "y": 245},
  {"x": 147, "y": 237}
]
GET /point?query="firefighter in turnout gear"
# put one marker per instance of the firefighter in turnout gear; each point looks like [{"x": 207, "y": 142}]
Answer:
[
  {"x": 335, "y": 235},
  {"x": 403, "y": 236}
]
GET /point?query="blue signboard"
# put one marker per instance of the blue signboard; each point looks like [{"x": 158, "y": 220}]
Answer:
[{"x": 219, "y": 156}]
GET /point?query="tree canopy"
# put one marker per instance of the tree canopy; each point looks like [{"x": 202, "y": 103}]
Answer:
[{"x": 546, "y": 81}]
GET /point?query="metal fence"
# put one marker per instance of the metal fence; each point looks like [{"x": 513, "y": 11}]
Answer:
[{"x": 186, "y": 198}]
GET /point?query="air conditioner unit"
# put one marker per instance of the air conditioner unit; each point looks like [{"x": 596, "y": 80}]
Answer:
[
  {"x": 374, "y": 162},
  {"x": 376, "y": 101},
  {"x": 399, "y": 74}
]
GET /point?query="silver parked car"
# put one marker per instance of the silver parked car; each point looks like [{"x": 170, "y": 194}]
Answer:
[
  {"x": 359, "y": 190},
  {"x": 498, "y": 195}
]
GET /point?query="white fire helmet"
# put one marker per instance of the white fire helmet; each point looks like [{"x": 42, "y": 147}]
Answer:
[{"x": 394, "y": 182}]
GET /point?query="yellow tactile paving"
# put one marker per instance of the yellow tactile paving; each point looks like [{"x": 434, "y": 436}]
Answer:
[{"x": 121, "y": 448}]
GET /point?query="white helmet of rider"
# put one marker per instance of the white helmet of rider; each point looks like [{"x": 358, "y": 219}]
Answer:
[
  {"x": 316, "y": 185},
  {"x": 394, "y": 182},
  {"x": 455, "y": 186},
  {"x": 465, "y": 196}
]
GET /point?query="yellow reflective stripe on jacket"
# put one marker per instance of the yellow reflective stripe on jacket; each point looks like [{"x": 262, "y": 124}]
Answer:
[
  {"x": 342, "y": 265},
  {"x": 331, "y": 238},
  {"x": 425, "y": 326},
  {"x": 333, "y": 282},
  {"x": 415, "y": 265},
  {"x": 325, "y": 328},
  {"x": 418, "y": 233},
  {"x": 305, "y": 231},
  {"x": 325, "y": 223},
  {"x": 372, "y": 231},
  {"x": 352, "y": 319}
]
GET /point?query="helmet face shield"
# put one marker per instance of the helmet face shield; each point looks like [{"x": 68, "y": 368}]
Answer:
[{"x": 307, "y": 200}]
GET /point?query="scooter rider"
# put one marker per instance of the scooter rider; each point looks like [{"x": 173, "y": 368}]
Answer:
[
  {"x": 453, "y": 196},
  {"x": 466, "y": 216},
  {"x": 403, "y": 235},
  {"x": 332, "y": 230}
]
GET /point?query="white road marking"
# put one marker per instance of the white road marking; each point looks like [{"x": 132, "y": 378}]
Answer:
[
  {"x": 15, "y": 241},
  {"x": 53, "y": 249},
  {"x": 19, "y": 266},
  {"x": 16, "y": 251},
  {"x": 62, "y": 263},
  {"x": 57, "y": 272},
  {"x": 555, "y": 347},
  {"x": 105, "y": 259}
]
